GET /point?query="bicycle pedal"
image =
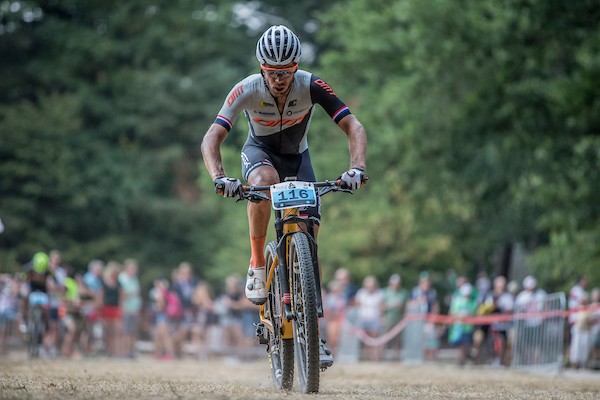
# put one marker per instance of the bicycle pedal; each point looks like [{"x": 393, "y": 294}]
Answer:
[{"x": 261, "y": 333}]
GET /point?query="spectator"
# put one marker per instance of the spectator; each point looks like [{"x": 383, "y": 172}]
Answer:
[
  {"x": 56, "y": 288},
  {"x": 424, "y": 298},
  {"x": 111, "y": 297},
  {"x": 250, "y": 317},
  {"x": 89, "y": 294},
  {"x": 530, "y": 300},
  {"x": 513, "y": 288},
  {"x": 483, "y": 285},
  {"x": 335, "y": 303},
  {"x": 163, "y": 342},
  {"x": 342, "y": 275},
  {"x": 461, "y": 334},
  {"x": 369, "y": 302},
  {"x": 394, "y": 302},
  {"x": 595, "y": 330},
  {"x": 131, "y": 306},
  {"x": 93, "y": 277},
  {"x": 72, "y": 321},
  {"x": 8, "y": 308},
  {"x": 503, "y": 304},
  {"x": 581, "y": 344},
  {"x": 204, "y": 319},
  {"x": 232, "y": 301},
  {"x": 183, "y": 285},
  {"x": 576, "y": 294},
  {"x": 460, "y": 280}
]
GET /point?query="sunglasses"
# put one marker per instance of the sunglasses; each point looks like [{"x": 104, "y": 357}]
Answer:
[{"x": 279, "y": 72}]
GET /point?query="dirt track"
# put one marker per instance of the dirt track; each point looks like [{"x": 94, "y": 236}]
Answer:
[{"x": 149, "y": 379}]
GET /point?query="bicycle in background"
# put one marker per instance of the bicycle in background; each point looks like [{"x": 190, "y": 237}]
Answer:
[{"x": 36, "y": 324}]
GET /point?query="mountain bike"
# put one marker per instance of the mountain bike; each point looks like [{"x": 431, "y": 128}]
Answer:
[{"x": 289, "y": 318}]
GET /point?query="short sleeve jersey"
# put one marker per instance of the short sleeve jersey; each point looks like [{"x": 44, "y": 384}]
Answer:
[{"x": 280, "y": 132}]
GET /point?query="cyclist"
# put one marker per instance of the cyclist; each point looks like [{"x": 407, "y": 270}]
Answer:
[
  {"x": 37, "y": 275},
  {"x": 278, "y": 104}
]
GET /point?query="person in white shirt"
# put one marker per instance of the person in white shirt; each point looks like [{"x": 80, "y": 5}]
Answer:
[{"x": 370, "y": 303}]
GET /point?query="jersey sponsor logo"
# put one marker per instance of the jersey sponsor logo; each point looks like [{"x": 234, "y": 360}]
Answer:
[
  {"x": 266, "y": 104},
  {"x": 325, "y": 86},
  {"x": 237, "y": 92},
  {"x": 263, "y": 112},
  {"x": 282, "y": 121},
  {"x": 292, "y": 103},
  {"x": 245, "y": 159}
]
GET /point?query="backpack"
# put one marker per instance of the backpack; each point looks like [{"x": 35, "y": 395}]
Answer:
[{"x": 174, "y": 309}]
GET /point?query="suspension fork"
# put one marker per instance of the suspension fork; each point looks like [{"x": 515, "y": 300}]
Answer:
[
  {"x": 282, "y": 256},
  {"x": 314, "y": 247}
]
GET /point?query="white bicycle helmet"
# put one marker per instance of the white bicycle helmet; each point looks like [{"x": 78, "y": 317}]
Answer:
[{"x": 278, "y": 46}]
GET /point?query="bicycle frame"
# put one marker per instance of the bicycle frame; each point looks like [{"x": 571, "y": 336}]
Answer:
[{"x": 287, "y": 222}]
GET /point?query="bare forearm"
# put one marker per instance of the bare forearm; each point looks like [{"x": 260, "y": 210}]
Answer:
[
  {"x": 357, "y": 145},
  {"x": 211, "y": 152},
  {"x": 357, "y": 141}
]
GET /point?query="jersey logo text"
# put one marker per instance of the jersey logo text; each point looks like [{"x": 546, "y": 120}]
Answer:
[
  {"x": 234, "y": 95},
  {"x": 325, "y": 86},
  {"x": 283, "y": 121}
]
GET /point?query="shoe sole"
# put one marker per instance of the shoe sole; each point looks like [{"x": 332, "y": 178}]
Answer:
[{"x": 258, "y": 302}]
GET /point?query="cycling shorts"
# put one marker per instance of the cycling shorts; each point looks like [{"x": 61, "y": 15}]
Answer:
[
  {"x": 286, "y": 165},
  {"x": 38, "y": 299}
]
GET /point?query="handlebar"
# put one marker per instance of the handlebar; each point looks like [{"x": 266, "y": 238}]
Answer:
[{"x": 256, "y": 193}]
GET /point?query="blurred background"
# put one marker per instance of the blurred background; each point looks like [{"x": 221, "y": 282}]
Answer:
[{"x": 483, "y": 120}]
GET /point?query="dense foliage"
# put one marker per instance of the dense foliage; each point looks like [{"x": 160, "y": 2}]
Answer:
[{"x": 483, "y": 121}]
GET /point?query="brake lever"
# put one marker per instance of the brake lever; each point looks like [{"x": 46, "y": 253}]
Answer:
[{"x": 254, "y": 197}]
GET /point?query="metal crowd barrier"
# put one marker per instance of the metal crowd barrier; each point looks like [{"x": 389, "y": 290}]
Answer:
[{"x": 538, "y": 341}]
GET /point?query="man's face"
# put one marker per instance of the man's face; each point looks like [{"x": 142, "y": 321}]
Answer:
[{"x": 279, "y": 78}]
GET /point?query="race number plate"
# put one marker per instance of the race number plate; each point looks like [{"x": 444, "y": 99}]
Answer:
[{"x": 293, "y": 194}]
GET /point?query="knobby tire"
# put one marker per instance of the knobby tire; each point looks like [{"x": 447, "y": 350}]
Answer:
[
  {"x": 306, "y": 321},
  {"x": 281, "y": 351}
]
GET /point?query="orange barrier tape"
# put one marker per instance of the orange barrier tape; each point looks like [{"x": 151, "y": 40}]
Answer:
[{"x": 449, "y": 320}]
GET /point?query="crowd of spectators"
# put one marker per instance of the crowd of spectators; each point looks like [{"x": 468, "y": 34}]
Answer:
[
  {"x": 105, "y": 311},
  {"x": 378, "y": 310}
]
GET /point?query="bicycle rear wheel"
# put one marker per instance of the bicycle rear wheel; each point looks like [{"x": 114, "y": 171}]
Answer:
[
  {"x": 306, "y": 321},
  {"x": 281, "y": 351}
]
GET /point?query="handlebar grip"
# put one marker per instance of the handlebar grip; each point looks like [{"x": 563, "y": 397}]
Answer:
[
  {"x": 220, "y": 189},
  {"x": 363, "y": 182}
]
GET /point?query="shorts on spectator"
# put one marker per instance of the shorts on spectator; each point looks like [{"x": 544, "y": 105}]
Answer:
[
  {"x": 130, "y": 324},
  {"x": 465, "y": 338},
  {"x": 111, "y": 313}
]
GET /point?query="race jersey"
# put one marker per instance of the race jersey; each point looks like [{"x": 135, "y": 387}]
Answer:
[
  {"x": 283, "y": 133},
  {"x": 37, "y": 282}
]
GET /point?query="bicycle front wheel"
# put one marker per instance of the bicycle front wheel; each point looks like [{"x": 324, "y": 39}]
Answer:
[
  {"x": 306, "y": 321},
  {"x": 35, "y": 332},
  {"x": 281, "y": 351}
]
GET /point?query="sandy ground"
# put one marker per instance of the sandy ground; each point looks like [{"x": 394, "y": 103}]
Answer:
[{"x": 145, "y": 378}]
